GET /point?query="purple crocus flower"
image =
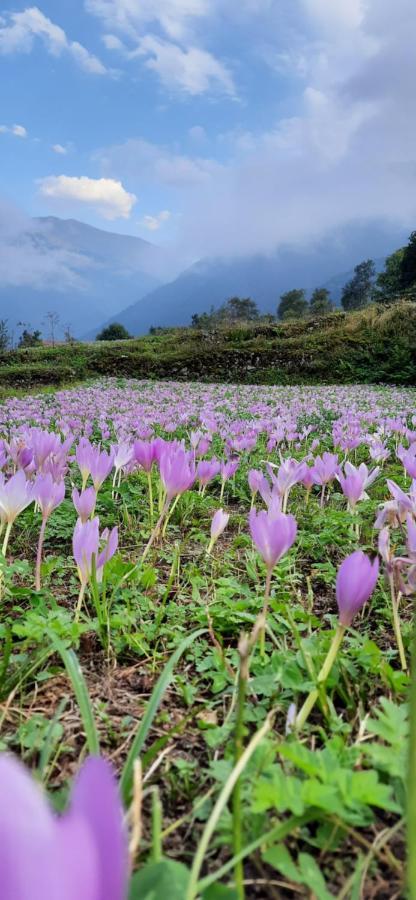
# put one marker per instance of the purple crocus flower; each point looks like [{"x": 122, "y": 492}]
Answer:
[
  {"x": 177, "y": 471},
  {"x": 356, "y": 580},
  {"x": 273, "y": 533},
  {"x": 101, "y": 464},
  {"x": 255, "y": 480},
  {"x": 228, "y": 469},
  {"x": 84, "y": 455},
  {"x": 206, "y": 470},
  {"x": 355, "y": 482},
  {"x": 15, "y": 495},
  {"x": 84, "y": 502},
  {"x": 144, "y": 454},
  {"x": 85, "y": 544},
  {"x": 325, "y": 468},
  {"x": 81, "y": 855},
  {"x": 48, "y": 494},
  {"x": 219, "y": 523}
]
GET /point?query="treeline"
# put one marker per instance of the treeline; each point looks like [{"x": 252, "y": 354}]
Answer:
[{"x": 397, "y": 279}]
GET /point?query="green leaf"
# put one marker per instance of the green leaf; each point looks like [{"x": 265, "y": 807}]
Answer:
[
  {"x": 219, "y": 892},
  {"x": 312, "y": 877},
  {"x": 168, "y": 879},
  {"x": 392, "y": 723},
  {"x": 279, "y": 791},
  {"x": 74, "y": 672},
  {"x": 280, "y": 858},
  {"x": 152, "y": 707}
]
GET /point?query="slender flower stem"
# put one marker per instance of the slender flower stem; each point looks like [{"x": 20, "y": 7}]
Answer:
[
  {"x": 156, "y": 530},
  {"x": 6, "y": 538},
  {"x": 396, "y": 623},
  {"x": 244, "y": 653},
  {"x": 81, "y": 596},
  {"x": 150, "y": 489},
  {"x": 322, "y": 496},
  {"x": 310, "y": 701},
  {"x": 411, "y": 775},
  {"x": 39, "y": 554},
  {"x": 264, "y": 612},
  {"x": 222, "y": 490},
  {"x": 174, "y": 505}
]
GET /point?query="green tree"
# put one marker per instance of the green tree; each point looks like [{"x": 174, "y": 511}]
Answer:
[
  {"x": 243, "y": 308},
  {"x": 358, "y": 292},
  {"x": 388, "y": 282},
  {"x": 408, "y": 263},
  {"x": 293, "y": 305},
  {"x": 113, "y": 332},
  {"x": 4, "y": 335},
  {"x": 30, "y": 338},
  {"x": 320, "y": 302}
]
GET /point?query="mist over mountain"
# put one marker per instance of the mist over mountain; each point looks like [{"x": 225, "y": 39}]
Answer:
[
  {"x": 82, "y": 273},
  {"x": 326, "y": 263}
]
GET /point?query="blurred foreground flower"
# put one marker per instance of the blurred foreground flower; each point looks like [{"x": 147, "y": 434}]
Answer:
[{"x": 81, "y": 855}]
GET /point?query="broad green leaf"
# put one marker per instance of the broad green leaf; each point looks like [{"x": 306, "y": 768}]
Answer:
[
  {"x": 164, "y": 880},
  {"x": 281, "y": 792},
  {"x": 280, "y": 858},
  {"x": 312, "y": 877}
]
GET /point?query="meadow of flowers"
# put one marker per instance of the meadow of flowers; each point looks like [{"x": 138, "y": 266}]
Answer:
[{"x": 205, "y": 637}]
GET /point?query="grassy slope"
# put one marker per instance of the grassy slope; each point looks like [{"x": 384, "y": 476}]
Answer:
[{"x": 374, "y": 345}]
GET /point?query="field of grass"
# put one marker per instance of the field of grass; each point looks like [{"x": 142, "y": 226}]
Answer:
[
  {"x": 250, "y": 694},
  {"x": 376, "y": 345}
]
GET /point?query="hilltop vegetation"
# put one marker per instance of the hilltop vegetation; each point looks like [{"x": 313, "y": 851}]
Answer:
[{"x": 377, "y": 344}]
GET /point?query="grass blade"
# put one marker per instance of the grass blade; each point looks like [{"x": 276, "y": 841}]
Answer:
[
  {"x": 152, "y": 707},
  {"x": 74, "y": 672}
]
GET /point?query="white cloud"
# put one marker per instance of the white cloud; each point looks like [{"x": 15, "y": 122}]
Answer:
[
  {"x": 174, "y": 17},
  {"x": 197, "y": 134},
  {"x": 106, "y": 195},
  {"x": 191, "y": 70},
  {"x": 60, "y": 149},
  {"x": 153, "y": 223},
  {"x": 17, "y": 130},
  {"x": 152, "y": 164},
  {"x": 26, "y": 261},
  {"x": 178, "y": 60},
  {"x": 19, "y": 31},
  {"x": 112, "y": 42}
]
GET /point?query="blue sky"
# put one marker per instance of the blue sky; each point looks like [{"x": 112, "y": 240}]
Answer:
[{"x": 211, "y": 125}]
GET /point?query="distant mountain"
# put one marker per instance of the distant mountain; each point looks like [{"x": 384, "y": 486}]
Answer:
[
  {"x": 264, "y": 278},
  {"x": 93, "y": 273}
]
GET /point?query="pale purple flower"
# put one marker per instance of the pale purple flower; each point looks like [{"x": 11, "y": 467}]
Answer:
[
  {"x": 355, "y": 481},
  {"x": 144, "y": 454},
  {"x": 255, "y": 479},
  {"x": 101, "y": 464},
  {"x": 177, "y": 471},
  {"x": 81, "y": 855},
  {"x": 48, "y": 494},
  {"x": 325, "y": 468},
  {"x": 84, "y": 455},
  {"x": 15, "y": 495},
  {"x": 356, "y": 580},
  {"x": 85, "y": 543},
  {"x": 228, "y": 469},
  {"x": 206, "y": 470},
  {"x": 219, "y": 523},
  {"x": 122, "y": 455},
  {"x": 84, "y": 502},
  {"x": 273, "y": 533}
]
